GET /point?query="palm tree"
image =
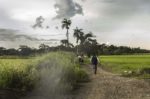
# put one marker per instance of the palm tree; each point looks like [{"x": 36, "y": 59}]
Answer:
[
  {"x": 86, "y": 37},
  {"x": 92, "y": 41},
  {"x": 66, "y": 23},
  {"x": 78, "y": 34}
]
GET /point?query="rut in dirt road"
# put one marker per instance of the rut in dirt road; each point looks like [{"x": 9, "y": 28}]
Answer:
[{"x": 105, "y": 85}]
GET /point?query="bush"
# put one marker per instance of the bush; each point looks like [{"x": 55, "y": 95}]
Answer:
[{"x": 81, "y": 74}]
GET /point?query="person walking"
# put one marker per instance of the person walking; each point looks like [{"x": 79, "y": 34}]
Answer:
[
  {"x": 94, "y": 61},
  {"x": 80, "y": 59}
]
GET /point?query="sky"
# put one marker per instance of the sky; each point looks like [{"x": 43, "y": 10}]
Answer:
[{"x": 118, "y": 22}]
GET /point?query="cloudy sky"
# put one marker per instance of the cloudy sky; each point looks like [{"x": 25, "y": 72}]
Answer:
[{"x": 118, "y": 22}]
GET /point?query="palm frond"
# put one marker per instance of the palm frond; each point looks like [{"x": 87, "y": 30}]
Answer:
[
  {"x": 63, "y": 26},
  {"x": 88, "y": 35}
]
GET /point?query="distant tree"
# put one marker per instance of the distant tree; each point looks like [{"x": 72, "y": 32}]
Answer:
[
  {"x": 43, "y": 48},
  {"x": 25, "y": 50},
  {"x": 66, "y": 23},
  {"x": 64, "y": 42},
  {"x": 12, "y": 51},
  {"x": 2, "y": 51}
]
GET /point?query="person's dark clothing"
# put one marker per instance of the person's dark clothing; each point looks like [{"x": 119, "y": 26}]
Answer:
[{"x": 94, "y": 60}]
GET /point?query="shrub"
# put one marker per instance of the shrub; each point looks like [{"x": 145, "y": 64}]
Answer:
[{"x": 81, "y": 74}]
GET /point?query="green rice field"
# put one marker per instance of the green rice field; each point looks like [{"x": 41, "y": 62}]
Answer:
[{"x": 122, "y": 63}]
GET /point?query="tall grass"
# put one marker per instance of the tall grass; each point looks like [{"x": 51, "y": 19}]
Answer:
[{"x": 53, "y": 72}]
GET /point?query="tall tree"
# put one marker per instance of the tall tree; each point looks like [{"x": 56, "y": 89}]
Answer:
[
  {"x": 66, "y": 23},
  {"x": 86, "y": 37},
  {"x": 78, "y": 33}
]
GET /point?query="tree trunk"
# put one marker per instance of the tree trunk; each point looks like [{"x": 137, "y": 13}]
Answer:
[
  {"x": 77, "y": 49},
  {"x": 67, "y": 37}
]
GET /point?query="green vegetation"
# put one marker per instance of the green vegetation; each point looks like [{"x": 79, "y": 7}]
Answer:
[
  {"x": 15, "y": 73},
  {"x": 132, "y": 64},
  {"x": 58, "y": 68}
]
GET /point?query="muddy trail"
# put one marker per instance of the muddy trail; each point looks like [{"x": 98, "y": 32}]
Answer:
[{"x": 105, "y": 85}]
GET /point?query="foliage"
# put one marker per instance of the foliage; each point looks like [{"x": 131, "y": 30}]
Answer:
[
  {"x": 17, "y": 73},
  {"x": 119, "y": 50},
  {"x": 66, "y": 23}
]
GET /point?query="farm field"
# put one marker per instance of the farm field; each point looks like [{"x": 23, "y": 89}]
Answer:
[{"x": 121, "y": 63}]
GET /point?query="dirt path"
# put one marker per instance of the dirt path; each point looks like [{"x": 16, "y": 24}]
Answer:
[{"x": 105, "y": 85}]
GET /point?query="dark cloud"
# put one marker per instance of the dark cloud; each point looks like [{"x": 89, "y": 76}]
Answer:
[
  {"x": 127, "y": 7},
  {"x": 14, "y": 35},
  {"x": 83, "y": 0},
  {"x": 67, "y": 9},
  {"x": 54, "y": 35},
  {"x": 49, "y": 40},
  {"x": 39, "y": 22},
  {"x": 116, "y": 13}
]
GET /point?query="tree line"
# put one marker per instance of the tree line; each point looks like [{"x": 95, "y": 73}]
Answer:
[
  {"x": 87, "y": 48},
  {"x": 85, "y": 44}
]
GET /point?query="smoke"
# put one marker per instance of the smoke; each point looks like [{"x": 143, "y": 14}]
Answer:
[
  {"x": 67, "y": 9},
  {"x": 52, "y": 83}
]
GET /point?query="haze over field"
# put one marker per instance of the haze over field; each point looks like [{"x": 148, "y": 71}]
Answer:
[{"x": 119, "y": 22}]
